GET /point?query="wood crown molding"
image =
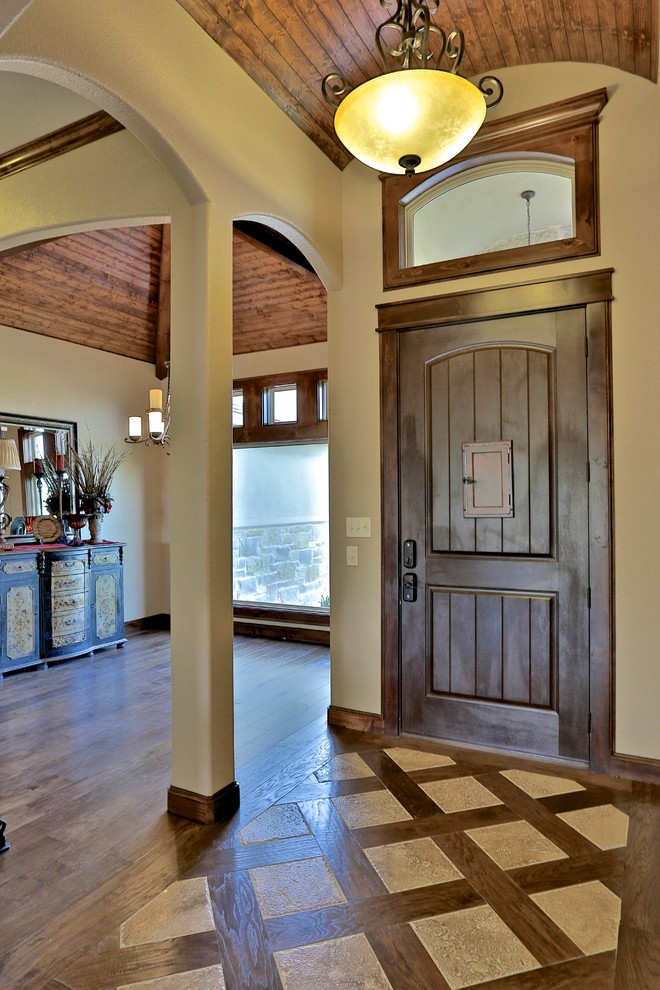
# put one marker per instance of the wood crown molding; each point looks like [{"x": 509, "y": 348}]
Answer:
[
  {"x": 474, "y": 304},
  {"x": 547, "y": 120},
  {"x": 59, "y": 142},
  {"x": 203, "y": 808}
]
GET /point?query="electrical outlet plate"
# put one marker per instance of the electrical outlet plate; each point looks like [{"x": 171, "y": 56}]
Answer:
[{"x": 351, "y": 556}]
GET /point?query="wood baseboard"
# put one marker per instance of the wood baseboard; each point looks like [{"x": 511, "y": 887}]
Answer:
[
  {"x": 202, "y": 808},
  {"x": 347, "y": 718},
  {"x": 634, "y": 768},
  {"x": 150, "y": 622},
  {"x": 293, "y": 633}
]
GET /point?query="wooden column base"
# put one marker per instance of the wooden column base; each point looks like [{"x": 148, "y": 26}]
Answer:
[
  {"x": 347, "y": 718},
  {"x": 202, "y": 808}
]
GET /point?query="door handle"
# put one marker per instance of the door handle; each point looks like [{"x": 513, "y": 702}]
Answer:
[{"x": 410, "y": 587}]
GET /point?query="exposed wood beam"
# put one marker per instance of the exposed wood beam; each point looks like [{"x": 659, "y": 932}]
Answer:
[
  {"x": 59, "y": 142},
  {"x": 163, "y": 316}
]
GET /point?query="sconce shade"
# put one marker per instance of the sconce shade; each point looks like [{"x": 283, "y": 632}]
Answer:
[
  {"x": 135, "y": 427},
  {"x": 9, "y": 459},
  {"x": 427, "y": 113},
  {"x": 156, "y": 422}
]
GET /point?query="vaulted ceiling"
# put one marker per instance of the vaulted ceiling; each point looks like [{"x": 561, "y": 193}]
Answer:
[{"x": 286, "y": 46}]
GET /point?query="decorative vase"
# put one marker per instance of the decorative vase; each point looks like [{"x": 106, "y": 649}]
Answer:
[
  {"x": 94, "y": 522},
  {"x": 75, "y": 521}
]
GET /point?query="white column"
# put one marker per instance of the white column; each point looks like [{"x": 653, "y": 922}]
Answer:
[{"x": 201, "y": 592}]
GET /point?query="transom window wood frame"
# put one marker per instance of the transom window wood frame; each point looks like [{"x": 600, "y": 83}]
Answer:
[{"x": 568, "y": 129}]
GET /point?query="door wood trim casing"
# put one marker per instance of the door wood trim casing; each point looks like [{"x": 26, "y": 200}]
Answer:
[{"x": 591, "y": 292}]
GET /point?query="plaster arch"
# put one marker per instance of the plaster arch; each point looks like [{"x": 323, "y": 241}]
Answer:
[
  {"x": 327, "y": 275},
  {"x": 134, "y": 121}
]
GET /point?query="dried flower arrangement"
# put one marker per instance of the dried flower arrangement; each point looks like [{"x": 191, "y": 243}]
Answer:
[{"x": 93, "y": 468}]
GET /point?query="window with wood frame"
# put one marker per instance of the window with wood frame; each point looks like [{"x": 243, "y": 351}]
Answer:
[{"x": 524, "y": 192}]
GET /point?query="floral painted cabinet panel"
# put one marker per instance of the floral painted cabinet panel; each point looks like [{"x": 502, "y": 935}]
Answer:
[
  {"x": 19, "y": 612},
  {"x": 107, "y": 596}
]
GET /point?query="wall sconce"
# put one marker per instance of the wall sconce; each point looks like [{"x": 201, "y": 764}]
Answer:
[{"x": 158, "y": 419}]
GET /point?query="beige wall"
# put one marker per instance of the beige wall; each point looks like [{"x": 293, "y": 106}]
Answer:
[{"x": 630, "y": 220}]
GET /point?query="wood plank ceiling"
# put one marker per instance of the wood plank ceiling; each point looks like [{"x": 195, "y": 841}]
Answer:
[
  {"x": 288, "y": 46},
  {"x": 104, "y": 288},
  {"x": 99, "y": 288}
]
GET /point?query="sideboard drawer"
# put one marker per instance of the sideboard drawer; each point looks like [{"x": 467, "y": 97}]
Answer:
[
  {"x": 68, "y": 623},
  {"x": 67, "y": 602},
  {"x": 67, "y": 583}
]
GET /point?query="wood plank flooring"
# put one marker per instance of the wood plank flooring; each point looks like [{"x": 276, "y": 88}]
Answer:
[
  {"x": 354, "y": 860},
  {"x": 279, "y": 689}
]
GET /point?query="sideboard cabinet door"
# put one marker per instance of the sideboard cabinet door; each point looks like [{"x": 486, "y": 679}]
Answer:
[
  {"x": 107, "y": 596},
  {"x": 19, "y": 613}
]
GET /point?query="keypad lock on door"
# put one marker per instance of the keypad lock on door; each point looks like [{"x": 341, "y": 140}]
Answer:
[{"x": 409, "y": 553}]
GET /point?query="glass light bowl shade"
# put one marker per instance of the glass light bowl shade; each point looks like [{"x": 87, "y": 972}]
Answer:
[{"x": 424, "y": 112}]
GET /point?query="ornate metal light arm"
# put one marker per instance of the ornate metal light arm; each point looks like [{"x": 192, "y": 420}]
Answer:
[{"x": 158, "y": 419}]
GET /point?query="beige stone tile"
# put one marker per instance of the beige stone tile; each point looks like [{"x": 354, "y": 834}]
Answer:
[
  {"x": 340, "y": 964},
  {"x": 589, "y": 913},
  {"x": 515, "y": 844},
  {"x": 282, "y": 821},
  {"x": 418, "y": 863},
  {"x": 345, "y": 766},
  {"x": 413, "y": 759},
  {"x": 539, "y": 785},
  {"x": 473, "y": 946},
  {"x": 285, "y": 888},
  {"x": 208, "y": 978},
  {"x": 605, "y": 825},
  {"x": 374, "y": 808},
  {"x": 183, "y": 908},
  {"x": 460, "y": 794}
]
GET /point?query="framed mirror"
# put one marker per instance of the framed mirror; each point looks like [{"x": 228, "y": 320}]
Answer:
[
  {"x": 524, "y": 192},
  {"x": 37, "y": 473}
]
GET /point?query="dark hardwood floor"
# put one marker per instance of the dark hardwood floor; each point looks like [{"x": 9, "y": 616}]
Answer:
[
  {"x": 279, "y": 689},
  {"x": 315, "y": 881}
]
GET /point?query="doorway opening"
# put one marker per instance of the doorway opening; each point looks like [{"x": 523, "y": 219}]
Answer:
[{"x": 280, "y": 560}]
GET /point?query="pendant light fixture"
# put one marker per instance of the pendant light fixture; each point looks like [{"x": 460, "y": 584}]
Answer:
[
  {"x": 528, "y": 195},
  {"x": 416, "y": 115}
]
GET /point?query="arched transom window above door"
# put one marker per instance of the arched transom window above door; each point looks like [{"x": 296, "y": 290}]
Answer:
[{"x": 525, "y": 191}]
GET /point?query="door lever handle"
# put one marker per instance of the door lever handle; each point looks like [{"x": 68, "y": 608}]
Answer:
[
  {"x": 410, "y": 587},
  {"x": 469, "y": 481}
]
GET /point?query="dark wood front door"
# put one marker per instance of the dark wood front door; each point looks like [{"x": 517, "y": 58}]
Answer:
[{"x": 495, "y": 643}]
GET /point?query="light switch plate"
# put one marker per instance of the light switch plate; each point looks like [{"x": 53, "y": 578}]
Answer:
[
  {"x": 351, "y": 556},
  {"x": 358, "y": 525}
]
